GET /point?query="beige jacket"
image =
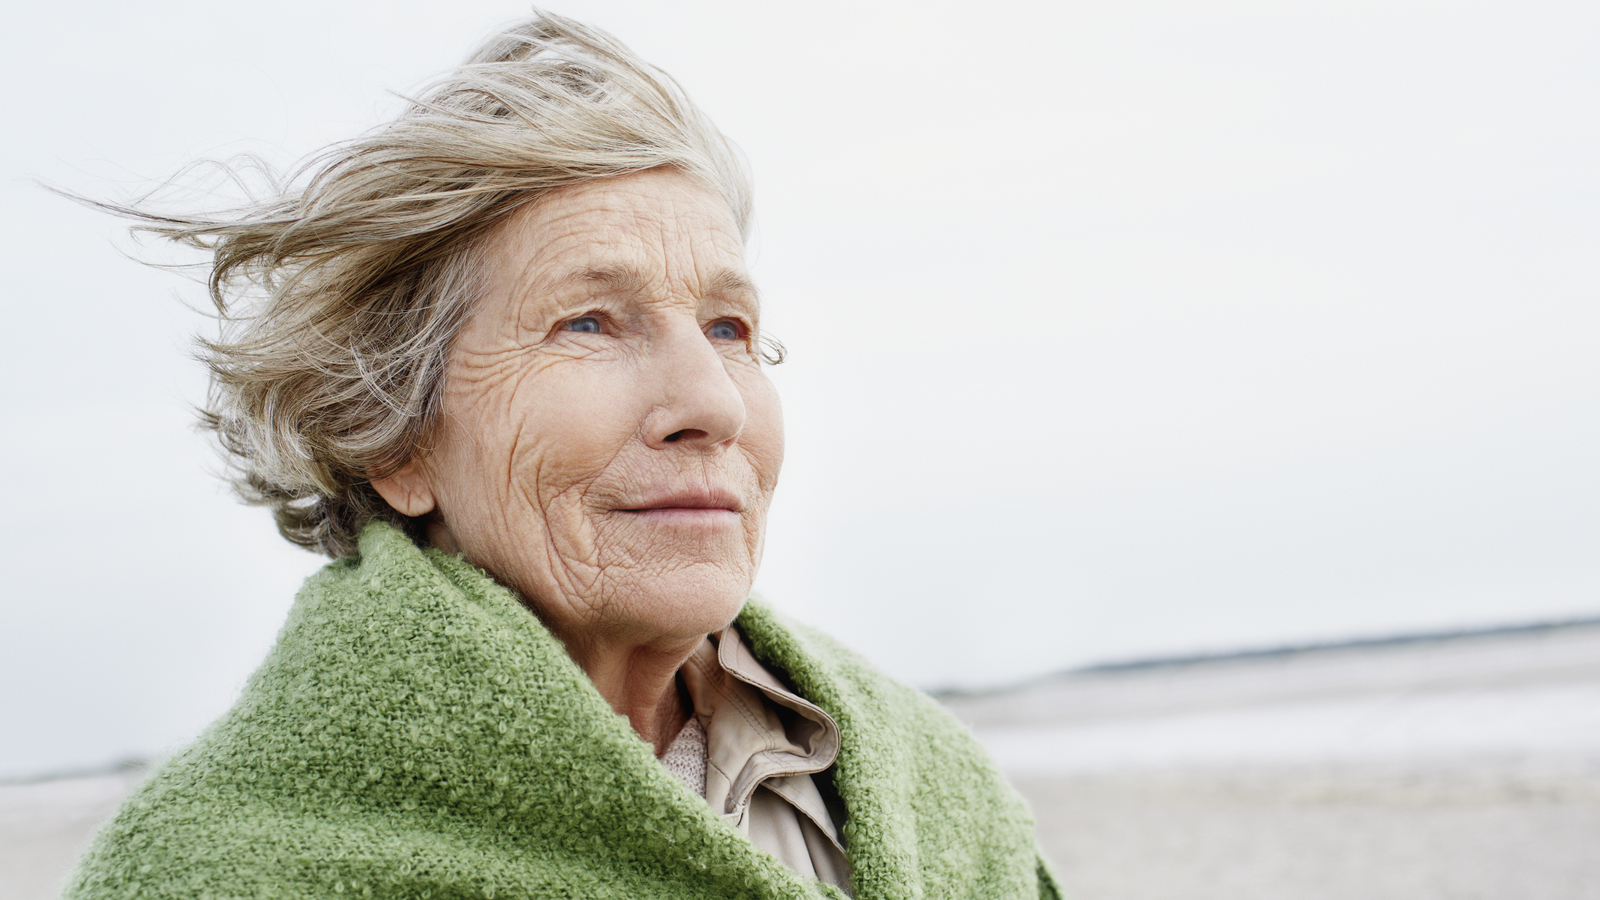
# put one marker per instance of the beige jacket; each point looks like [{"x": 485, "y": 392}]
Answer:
[{"x": 751, "y": 748}]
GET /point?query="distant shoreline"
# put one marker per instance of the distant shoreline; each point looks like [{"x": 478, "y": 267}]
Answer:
[{"x": 1279, "y": 652}]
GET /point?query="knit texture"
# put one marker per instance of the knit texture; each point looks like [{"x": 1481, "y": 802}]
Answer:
[
  {"x": 686, "y": 756},
  {"x": 416, "y": 733}
]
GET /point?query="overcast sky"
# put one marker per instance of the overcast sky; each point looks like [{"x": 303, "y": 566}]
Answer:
[{"x": 1116, "y": 330}]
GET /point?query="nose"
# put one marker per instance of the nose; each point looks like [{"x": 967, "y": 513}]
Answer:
[{"x": 697, "y": 403}]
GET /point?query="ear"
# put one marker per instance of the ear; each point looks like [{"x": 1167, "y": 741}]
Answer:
[{"x": 407, "y": 491}]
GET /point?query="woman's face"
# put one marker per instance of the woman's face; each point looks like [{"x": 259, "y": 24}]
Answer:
[{"x": 609, "y": 443}]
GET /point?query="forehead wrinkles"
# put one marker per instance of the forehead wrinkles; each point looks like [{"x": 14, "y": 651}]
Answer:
[{"x": 616, "y": 237}]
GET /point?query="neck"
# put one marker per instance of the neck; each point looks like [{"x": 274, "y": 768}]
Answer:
[{"x": 641, "y": 683}]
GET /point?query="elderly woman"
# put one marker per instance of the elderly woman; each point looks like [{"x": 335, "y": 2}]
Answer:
[{"x": 502, "y": 360}]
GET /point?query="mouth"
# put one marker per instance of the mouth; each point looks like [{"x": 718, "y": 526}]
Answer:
[{"x": 699, "y": 501}]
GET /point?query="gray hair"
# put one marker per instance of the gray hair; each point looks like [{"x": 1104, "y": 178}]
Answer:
[{"x": 341, "y": 292}]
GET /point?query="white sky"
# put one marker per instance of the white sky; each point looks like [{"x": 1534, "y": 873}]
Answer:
[{"x": 1116, "y": 329}]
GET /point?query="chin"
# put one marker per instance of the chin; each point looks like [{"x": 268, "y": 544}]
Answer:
[{"x": 686, "y": 603}]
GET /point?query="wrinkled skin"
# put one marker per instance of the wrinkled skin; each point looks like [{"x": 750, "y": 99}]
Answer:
[{"x": 610, "y": 443}]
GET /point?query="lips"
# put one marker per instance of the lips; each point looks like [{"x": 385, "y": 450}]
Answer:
[{"x": 707, "y": 499}]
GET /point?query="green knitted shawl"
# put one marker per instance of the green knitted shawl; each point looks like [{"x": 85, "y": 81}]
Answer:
[{"x": 417, "y": 733}]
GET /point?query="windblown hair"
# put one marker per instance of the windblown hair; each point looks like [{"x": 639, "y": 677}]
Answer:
[{"x": 341, "y": 293}]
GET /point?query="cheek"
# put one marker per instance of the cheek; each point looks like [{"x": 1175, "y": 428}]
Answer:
[
  {"x": 567, "y": 425},
  {"x": 477, "y": 428},
  {"x": 763, "y": 432},
  {"x": 491, "y": 445}
]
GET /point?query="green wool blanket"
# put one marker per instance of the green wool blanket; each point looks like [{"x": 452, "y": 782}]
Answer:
[{"x": 417, "y": 733}]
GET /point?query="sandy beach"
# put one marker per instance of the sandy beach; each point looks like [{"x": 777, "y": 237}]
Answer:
[
  {"x": 1444, "y": 769},
  {"x": 45, "y": 825},
  {"x": 1433, "y": 770},
  {"x": 1372, "y": 833}
]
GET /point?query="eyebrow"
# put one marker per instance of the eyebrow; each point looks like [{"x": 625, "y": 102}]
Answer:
[
  {"x": 630, "y": 279},
  {"x": 729, "y": 281},
  {"x": 617, "y": 278}
]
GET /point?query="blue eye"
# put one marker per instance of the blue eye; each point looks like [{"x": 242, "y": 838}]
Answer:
[
  {"x": 724, "y": 331},
  {"x": 585, "y": 324}
]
